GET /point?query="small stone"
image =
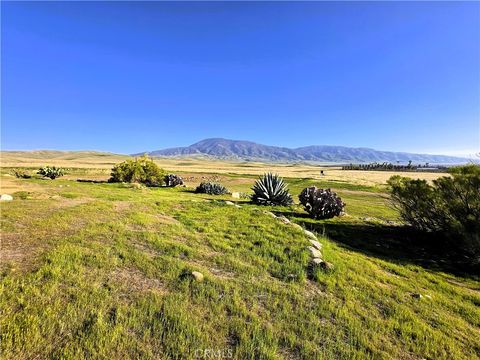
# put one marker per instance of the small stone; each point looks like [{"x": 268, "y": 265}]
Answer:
[
  {"x": 229, "y": 203},
  {"x": 310, "y": 234},
  {"x": 237, "y": 206},
  {"x": 316, "y": 244},
  {"x": 198, "y": 276},
  {"x": 317, "y": 261},
  {"x": 428, "y": 297},
  {"x": 236, "y": 195},
  {"x": 284, "y": 219},
  {"x": 315, "y": 252},
  {"x": 297, "y": 226},
  {"x": 327, "y": 266},
  {"x": 269, "y": 213},
  {"x": 6, "y": 197}
]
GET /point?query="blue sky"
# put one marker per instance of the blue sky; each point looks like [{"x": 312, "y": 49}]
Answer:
[{"x": 133, "y": 76}]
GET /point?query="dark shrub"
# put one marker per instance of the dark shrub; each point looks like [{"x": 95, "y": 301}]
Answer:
[
  {"x": 142, "y": 170},
  {"x": 270, "y": 189},
  {"x": 51, "y": 172},
  {"x": 450, "y": 207},
  {"x": 173, "y": 180},
  {"x": 211, "y": 188},
  {"x": 321, "y": 203},
  {"x": 20, "y": 174}
]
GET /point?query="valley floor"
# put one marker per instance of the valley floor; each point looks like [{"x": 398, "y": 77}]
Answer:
[{"x": 103, "y": 271}]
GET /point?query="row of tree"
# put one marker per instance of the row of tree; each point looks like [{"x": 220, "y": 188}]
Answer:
[{"x": 393, "y": 167}]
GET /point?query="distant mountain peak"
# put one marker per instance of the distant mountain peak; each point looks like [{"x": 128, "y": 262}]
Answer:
[{"x": 247, "y": 150}]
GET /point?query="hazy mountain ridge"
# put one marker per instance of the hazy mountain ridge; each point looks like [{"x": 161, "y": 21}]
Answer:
[{"x": 248, "y": 150}]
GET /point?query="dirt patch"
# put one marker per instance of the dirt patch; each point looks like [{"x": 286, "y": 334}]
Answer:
[
  {"x": 165, "y": 219},
  {"x": 137, "y": 281},
  {"x": 121, "y": 205}
]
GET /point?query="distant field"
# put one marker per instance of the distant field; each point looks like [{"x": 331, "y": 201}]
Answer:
[
  {"x": 105, "y": 161},
  {"x": 102, "y": 271}
]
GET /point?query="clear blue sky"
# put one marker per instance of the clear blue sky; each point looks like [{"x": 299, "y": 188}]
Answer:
[{"x": 134, "y": 76}]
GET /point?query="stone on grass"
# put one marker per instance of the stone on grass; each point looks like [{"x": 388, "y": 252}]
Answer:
[
  {"x": 269, "y": 213},
  {"x": 236, "y": 195},
  {"x": 229, "y": 203},
  {"x": 326, "y": 265},
  {"x": 284, "y": 219},
  {"x": 316, "y": 244},
  {"x": 317, "y": 261},
  {"x": 296, "y": 226},
  {"x": 237, "y": 206},
  {"x": 6, "y": 197},
  {"x": 310, "y": 234},
  {"x": 198, "y": 276},
  {"x": 315, "y": 252}
]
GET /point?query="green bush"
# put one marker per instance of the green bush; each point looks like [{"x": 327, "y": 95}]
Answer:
[
  {"x": 321, "y": 203},
  {"x": 449, "y": 207},
  {"x": 51, "y": 172},
  {"x": 270, "y": 189},
  {"x": 142, "y": 170},
  {"x": 212, "y": 188}
]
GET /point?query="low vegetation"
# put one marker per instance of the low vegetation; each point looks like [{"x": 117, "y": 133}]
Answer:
[
  {"x": 450, "y": 208},
  {"x": 50, "y": 172},
  {"x": 21, "y": 174},
  {"x": 321, "y": 203},
  {"x": 140, "y": 170},
  {"x": 211, "y": 188},
  {"x": 271, "y": 189},
  {"x": 172, "y": 180}
]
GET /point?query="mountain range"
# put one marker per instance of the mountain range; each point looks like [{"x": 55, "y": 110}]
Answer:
[{"x": 247, "y": 150}]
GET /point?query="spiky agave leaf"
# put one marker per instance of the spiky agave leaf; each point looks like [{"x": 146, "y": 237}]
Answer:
[{"x": 271, "y": 190}]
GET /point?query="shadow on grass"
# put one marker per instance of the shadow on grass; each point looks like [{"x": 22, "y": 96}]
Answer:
[{"x": 399, "y": 244}]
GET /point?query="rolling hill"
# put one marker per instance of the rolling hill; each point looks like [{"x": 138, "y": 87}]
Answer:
[{"x": 247, "y": 150}]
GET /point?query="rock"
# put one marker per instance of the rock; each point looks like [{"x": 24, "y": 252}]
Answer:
[
  {"x": 237, "y": 206},
  {"x": 297, "y": 226},
  {"x": 6, "y": 197},
  {"x": 310, "y": 234},
  {"x": 284, "y": 219},
  {"x": 327, "y": 266},
  {"x": 198, "y": 276},
  {"x": 229, "y": 203},
  {"x": 269, "y": 213},
  {"x": 316, "y": 244},
  {"x": 236, "y": 195},
  {"x": 315, "y": 252},
  {"x": 317, "y": 261},
  {"x": 428, "y": 297}
]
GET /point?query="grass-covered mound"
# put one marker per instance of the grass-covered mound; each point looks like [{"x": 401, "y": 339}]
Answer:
[{"x": 102, "y": 270}]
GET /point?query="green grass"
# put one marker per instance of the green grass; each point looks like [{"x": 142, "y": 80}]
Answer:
[{"x": 102, "y": 271}]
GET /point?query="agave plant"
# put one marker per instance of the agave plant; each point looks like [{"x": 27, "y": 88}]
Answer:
[
  {"x": 51, "y": 172},
  {"x": 270, "y": 189},
  {"x": 321, "y": 203},
  {"x": 211, "y": 188}
]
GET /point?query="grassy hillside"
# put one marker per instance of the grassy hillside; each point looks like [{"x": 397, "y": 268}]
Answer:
[{"x": 103, "y": 271}]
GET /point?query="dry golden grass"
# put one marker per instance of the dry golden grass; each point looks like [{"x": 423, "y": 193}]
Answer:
[{"x": 104, "y": 161}]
